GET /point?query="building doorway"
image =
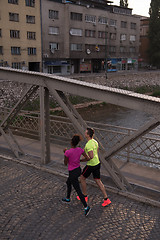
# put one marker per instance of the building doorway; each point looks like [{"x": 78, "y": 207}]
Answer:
[{"x": 34, "y": 66}]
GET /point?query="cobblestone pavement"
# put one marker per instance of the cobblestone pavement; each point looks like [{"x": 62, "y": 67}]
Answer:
[{"x": 31, "y": 209}]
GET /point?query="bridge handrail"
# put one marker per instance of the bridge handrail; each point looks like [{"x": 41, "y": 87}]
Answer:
[{"x": 116, "y": 132}]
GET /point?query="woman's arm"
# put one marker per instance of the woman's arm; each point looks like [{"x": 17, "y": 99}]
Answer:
[{"x": 65, "y": 160}]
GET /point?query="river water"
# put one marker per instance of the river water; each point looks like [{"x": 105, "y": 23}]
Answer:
[
  {"x": 123, "y": 117},
  {"x": 115, "y": 115}
]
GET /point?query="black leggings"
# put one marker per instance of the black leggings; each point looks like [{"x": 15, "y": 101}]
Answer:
[{"x": 73, "y": 180}]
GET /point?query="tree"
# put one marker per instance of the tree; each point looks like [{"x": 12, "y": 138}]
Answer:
[
  {"x": 154, "y": 33},
  {"x": 123, "y": 3}
]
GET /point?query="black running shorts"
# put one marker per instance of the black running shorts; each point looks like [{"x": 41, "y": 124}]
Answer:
[{"x": 95, "y": 170}]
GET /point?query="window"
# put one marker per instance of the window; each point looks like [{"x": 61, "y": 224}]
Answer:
[
  {"x": 102, "y": 34},
  {"x": 1, "y": 50},
  {"x": 14, "y": 34},
  {"x": 0, "y": 32},
  {"x": 124, "y": 11},
  {"x": 13, "y": 1},
  {"x": 53, "y": 46},
  {"x": 112, "y": 22},
  {"x": 122, "y": 49},
  {"x": 30, "y": 3},
  {"x": 54, "y": 69},
  {"x": 14, "y": 17},
  {"x": 90, "y": 33},
  {"x": 16, "y": 65},
  {"x": 112, "y": 49},
  {"x": 112, "y": 36},
  {"x": 54, "y": 30},
  {"x": 30, "y": 19},
  {"x": 123, "y": 24},
  {"x": 133, "y": 25},
  {"x": 132, "y": 38},
  {"x": 132, "y": 49},
  {"x": 31, "y": 35},
  {"x": 102, "y": 20},
  {"x": 15, "y": 50},
  {"x": 123, "y": 37},
  {"x": 76, "y": 16},
  {"x": 76, "y": 32},
  {"x": 90, "y": 18},
  {"x": 76, "y": 47},
  {"x": 31, "y": 51},
  {"x": 53, "y": 14}
]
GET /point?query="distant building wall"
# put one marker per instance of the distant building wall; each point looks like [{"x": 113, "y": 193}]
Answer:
[{"x": 19, "y": 48}]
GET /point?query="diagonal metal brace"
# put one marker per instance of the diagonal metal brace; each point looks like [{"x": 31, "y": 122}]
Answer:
[
  {"x": 14, "y": 111},
  {"x": 130, "y": 139},
  {"x": 4, "y": 127}
]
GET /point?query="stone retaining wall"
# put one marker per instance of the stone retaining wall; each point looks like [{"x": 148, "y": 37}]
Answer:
[{"x": 129, "y": 80}]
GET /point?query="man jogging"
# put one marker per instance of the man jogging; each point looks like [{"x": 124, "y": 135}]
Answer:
[{"x": 93, "y": 166}]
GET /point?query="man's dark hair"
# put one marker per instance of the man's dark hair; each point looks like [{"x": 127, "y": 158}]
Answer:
[
  {"x": 76, "y": 139},
  {"x": 90, "y": 132}
]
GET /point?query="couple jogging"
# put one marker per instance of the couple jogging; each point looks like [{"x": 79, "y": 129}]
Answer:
[{"x": 72, "y": 157}]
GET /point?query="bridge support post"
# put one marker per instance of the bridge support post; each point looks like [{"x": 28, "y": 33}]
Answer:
[{"x": 44, "y": 125}]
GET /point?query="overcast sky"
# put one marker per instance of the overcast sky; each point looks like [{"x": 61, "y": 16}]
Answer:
[{"x": 140, "y": 7}]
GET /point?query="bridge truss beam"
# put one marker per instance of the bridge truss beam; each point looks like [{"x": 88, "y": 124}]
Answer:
[{"x": 58, "y": 86}]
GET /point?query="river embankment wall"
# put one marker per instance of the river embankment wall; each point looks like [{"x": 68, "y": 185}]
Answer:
[{"x": 129, "y": 80}]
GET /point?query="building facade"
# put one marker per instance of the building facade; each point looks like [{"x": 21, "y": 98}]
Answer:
[
  {"x": 65, "y": 37},
  {"x": 144, "y": 42},
  {"x": 78, "y": 36},
  {"x": 20, "y": 34}
]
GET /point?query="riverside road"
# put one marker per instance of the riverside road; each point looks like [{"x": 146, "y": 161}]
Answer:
[{"x": 31, "y": 209}]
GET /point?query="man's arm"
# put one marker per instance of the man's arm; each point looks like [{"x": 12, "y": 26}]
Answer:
[{"x": 87, "y": 157}]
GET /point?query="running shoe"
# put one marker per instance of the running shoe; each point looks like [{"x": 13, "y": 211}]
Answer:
[
  {"x": 67, "y": 200},
  {"x": 87, "y": 211},
  {"x": 106, "y": 202},
  {"x": 86, "y": 198}
]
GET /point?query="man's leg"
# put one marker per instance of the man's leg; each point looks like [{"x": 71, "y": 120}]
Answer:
[
  {"x": 83, "y": 185},
  {"x": 106, "y": 201},
  {"x": 101, "y": 186}
]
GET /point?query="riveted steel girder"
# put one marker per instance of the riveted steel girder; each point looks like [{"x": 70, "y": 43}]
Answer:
[{"x": 115, "y": 96}]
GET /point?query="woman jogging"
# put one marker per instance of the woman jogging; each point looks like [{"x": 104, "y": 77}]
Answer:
[{"x": 72, "y": 158}]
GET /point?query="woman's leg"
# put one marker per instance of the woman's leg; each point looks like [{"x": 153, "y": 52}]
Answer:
[
  {"x": 76, "y": 186},
  {"x": 74, "y": 180},
  {"x": 69, "y": 188}
]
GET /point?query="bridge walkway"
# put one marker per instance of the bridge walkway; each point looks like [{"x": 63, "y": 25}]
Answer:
[{"x": 146, "y": 180}]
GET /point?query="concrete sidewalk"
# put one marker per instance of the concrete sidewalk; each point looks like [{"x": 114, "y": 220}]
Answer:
[{"x": 136, "y": 174}]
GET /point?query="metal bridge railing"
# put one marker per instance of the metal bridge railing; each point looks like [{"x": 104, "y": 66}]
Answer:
[{"x": 145, "y": 150}]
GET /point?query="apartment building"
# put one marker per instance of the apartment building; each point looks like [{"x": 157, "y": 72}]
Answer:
[
  {"x": 20, "y": 34},
  {"x": 83, "y": 36}
]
